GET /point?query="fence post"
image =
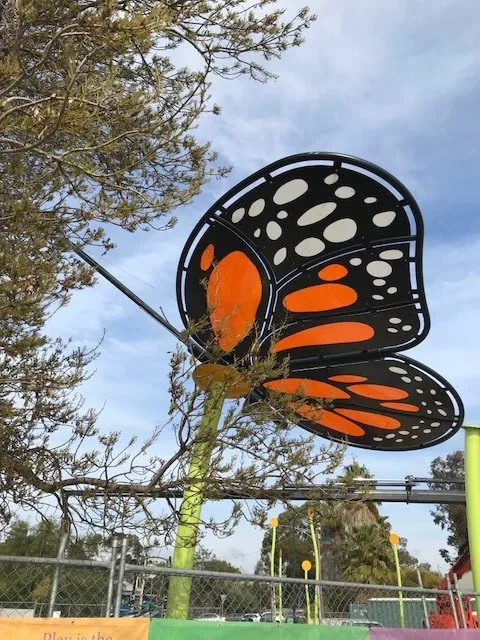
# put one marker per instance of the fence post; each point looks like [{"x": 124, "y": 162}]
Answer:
[
  {"x": 111, "y": 578},
  {"x": 460, "y": 603},
  {"x": 56, "y": 572},
  {"x": 452, "y": 604},
  {"x": 424, "y": 602},
  {"x": 121, "y": 574}
]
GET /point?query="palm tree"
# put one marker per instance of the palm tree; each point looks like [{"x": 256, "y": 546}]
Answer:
[{"x": 367, "y": 556}]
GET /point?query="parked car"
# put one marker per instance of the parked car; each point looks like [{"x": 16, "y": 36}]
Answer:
[
  {"x": 252, "y": 617},
  {"x": 235, "y": 617},
  {"x": 211, "y": 617},
  {"x": 267, "y": 616},
  {"x": 361, "y": 623}
]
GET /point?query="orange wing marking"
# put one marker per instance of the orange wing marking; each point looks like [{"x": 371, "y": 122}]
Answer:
[
  {"x": 234, "y": 292},
  {"x": 207, "y": 257},
  {"x": 320, "y": 297},
  {"x": 347, "y": 378},
  {"x": 334, "y": 333},
  {"x": 304, "y": 386},
  {"x": 330, "y": 420},
  {"x": 371, "y": 419},
  {"x": 400, "y": 406},
  {"x": 378, "y": 392},
  {"x": 333, "y": 272}
]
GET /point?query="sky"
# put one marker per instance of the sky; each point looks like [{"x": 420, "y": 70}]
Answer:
[{"x": 395, "y": 83}]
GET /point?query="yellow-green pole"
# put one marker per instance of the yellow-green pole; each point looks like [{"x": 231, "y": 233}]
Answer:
[
  {"x": 190, "y": 510},
  {"x": 394, "y": 540},
  {"x": 472, "y": 497},
  {"x": 317, "y": 564},
  {"x": 280, "y": 603},
  {"x": 274, "y": 523},
  {"x": 306, "y": 566}
]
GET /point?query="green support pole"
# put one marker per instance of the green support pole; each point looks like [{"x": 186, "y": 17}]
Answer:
[
  {"x": 306, "y": 566},
  {"x": 280, "y": 593},
  {"x": 472, "y": 497},
  {"x": 399, "y": 581},
  {"x": 191, "y": 507},
  {"x": 317, "y": 568},
  {"x": 274, "y": 523}
]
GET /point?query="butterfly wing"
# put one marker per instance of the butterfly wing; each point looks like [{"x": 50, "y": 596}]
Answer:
[
  {"x": 392, "y": 403},
  {"x": 318, "y": 257},
  {"x": 321, "y": 250}
]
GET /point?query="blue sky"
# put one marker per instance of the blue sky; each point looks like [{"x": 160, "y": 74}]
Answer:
[{"x": 396, "y": 83}]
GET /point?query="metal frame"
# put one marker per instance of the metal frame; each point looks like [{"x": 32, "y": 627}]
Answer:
[{"x": 366, "y": 490}]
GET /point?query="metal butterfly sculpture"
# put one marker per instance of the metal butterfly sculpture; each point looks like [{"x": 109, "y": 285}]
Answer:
[{"x": 324, "y": 251}]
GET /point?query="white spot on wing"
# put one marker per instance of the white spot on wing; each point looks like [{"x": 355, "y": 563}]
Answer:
[
  {"x": 331, "y": 179},
  {"x": 384, "y": 219},
  {"x": 398, "y": 370},
  {"x": 341, "y": 230},
  {"x": 316, "y": 213},
  {"x": 280, "y": 256},
  {"x": 345, "y": 192},
  {"x": 309, "y": 247},
  {"x": 379, "y": 269},
  {"x": 256, "y": 208},
  {"x": 274, "y": 230},
  {"x": 238, "y": 215},
  {"x": 289, "y": 191},
  {"x": 391, "y": 254}
]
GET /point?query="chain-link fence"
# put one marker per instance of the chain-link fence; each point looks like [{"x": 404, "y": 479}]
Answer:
[{"x": 43, "y": 587}]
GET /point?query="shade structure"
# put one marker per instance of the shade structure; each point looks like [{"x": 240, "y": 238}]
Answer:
[{"x": 318, "y": 257}]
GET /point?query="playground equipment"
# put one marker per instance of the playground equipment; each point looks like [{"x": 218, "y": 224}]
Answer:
[
  {"x": 318, "y": 258},
  {"x": 444, "y": 618}
]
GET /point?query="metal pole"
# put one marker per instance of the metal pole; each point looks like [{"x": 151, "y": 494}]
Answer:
[
  {"x": 197, "y": 351},
  {"x": 121, "y": 575},
  {"x": 460, "y": 602},
  {"x": 399, "y": 581},
  {"x": 306, "y": 566},
  {"x": 320, "y": 590},
  {"x": 424, "y": 602},
  {"x": 472, "y": 496},
  {"x": 317, "y": 565},
  {"x": 56, "y": 573},
  {"x": 111, "y": 578},
  {"x": 141, "y": 588},
  {"x": 274, "y": 523},
  {"x": 452, "y": 604},
  {"x": 294, "y": 564},
  {"x": 191, "y": 507},
  {"x": 280, "y": 594}
]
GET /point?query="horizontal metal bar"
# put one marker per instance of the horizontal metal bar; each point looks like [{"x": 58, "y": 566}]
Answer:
[
  {"x": 57, "y": 562},
  {"x": 319, "y": 492}
]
